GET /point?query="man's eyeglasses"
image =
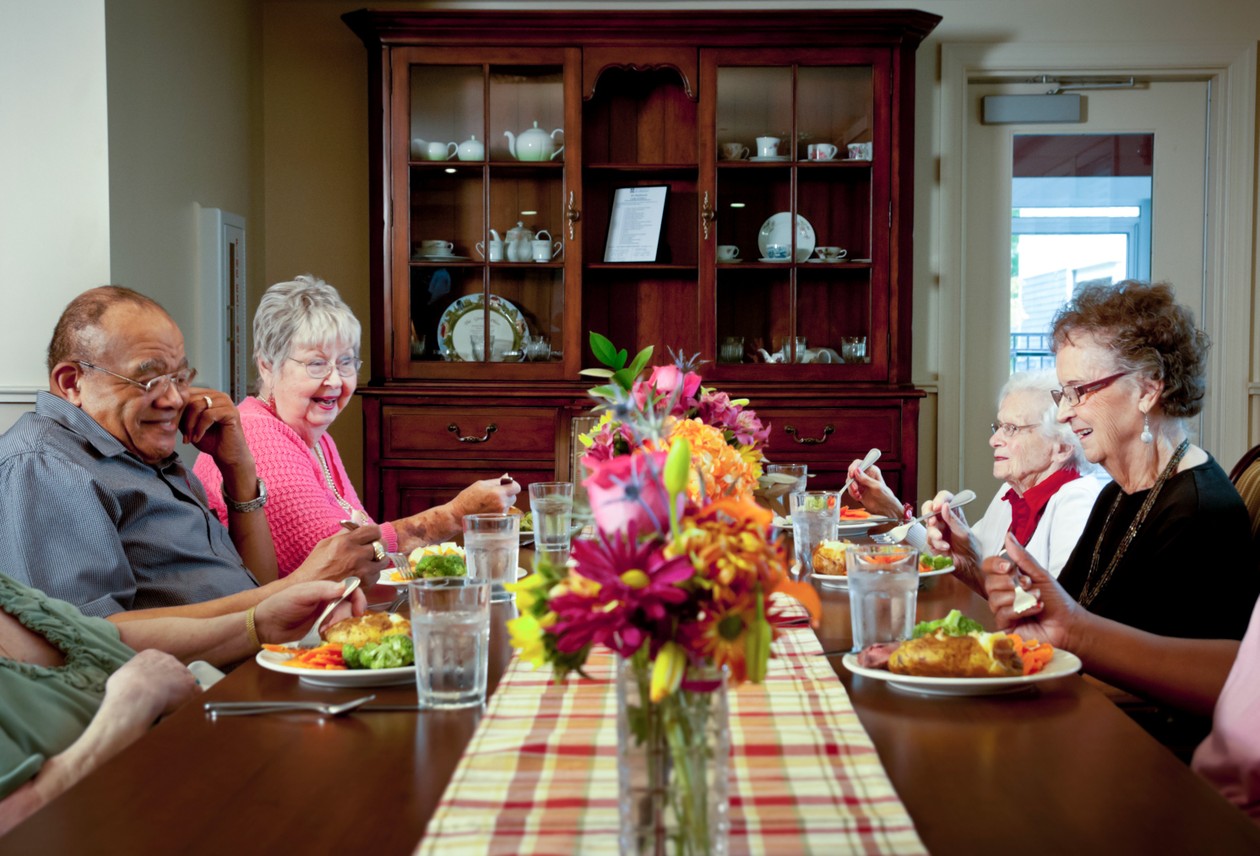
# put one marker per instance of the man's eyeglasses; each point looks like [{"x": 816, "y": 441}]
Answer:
[
  {"x": 154, "y": 387},
  {"x": 1008, "y": 429},
  {"x": 320, "y": 369},
  {"x": 1073, "y": 394}
]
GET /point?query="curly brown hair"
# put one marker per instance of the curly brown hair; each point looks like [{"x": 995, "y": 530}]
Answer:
[{"x": 1149, "y": 332}]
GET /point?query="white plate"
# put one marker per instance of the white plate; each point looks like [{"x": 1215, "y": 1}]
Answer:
[
  {"x": 386, "y": 581},
  {"x": 456, "y": 326},
  {"x": 1063, "y": 663},
  {"x": 768, "y": 158},
  {"x": 841, "y": 581},
  {"x": 349, "y": 678},
  {"x": 777, "y": 230},
  {"x": 857, "y": 527}
]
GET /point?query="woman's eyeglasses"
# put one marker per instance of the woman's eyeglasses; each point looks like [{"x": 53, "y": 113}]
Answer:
[
  {"x": 320, "y": 369},
  {"x": 1073, "y": 394},
  {"x": 1008, "y": 429},
  {"x": 154, "y": 387}
]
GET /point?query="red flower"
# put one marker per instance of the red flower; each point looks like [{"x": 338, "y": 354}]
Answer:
[
  {"x": 627, "y": 490},
  {"x": 665, "y": 380}
]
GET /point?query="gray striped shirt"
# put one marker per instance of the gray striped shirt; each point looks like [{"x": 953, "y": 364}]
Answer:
[{"x": 87, "y": 521}]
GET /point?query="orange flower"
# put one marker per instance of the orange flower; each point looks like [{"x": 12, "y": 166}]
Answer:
[{"x": 718, "y": 469}]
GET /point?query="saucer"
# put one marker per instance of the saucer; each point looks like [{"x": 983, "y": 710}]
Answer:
[
  {"x": 768, "y": 158},
  {"x": 828, "y": 261},
  {"x": 729, "y": 261},
  {"x": 439, "y": 258},
  {"x": 774, "y": 261}
]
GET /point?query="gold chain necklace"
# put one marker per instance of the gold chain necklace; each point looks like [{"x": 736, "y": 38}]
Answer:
[
  {"x": 1087, "y": 593},
  {"x": 328, "y": 479}
]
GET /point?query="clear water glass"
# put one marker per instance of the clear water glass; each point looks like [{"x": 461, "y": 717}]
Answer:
[
  {"x": 492, "y": 546},
  {"x": 883, "y": 592},
  {"x": 551, "y": 504},
  {"x": 815, "y": 518},
  {"x": 450, "y": 628}
]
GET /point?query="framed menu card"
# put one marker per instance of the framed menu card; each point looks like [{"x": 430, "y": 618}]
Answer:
[{"x": 634, "y": 229}]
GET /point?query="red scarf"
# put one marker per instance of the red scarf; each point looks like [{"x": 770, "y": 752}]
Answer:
[{"x": 1026, "y": 510}]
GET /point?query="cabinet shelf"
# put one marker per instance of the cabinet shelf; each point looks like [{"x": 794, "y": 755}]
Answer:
[{"x": 643, "y": 98}]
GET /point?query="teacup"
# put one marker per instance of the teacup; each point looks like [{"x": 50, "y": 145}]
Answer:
[
  {"x": 732, "y": 151},
  {"x": 831, "y": 254},
  {"x": 436, "y": 248},
  {"x": 544, "y": 249},
  {"x": 727, "y": 252},
  {"x": 859, "y": 151},
  {"x": 440, "y": 151},
  {"x": 821, "y": 151},
  {"x": 768, "y": 147},
  {"x": 778, "y": 252}
]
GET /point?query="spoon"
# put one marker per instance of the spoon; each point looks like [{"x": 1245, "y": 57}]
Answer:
[
  {"x": 898, "y": 533},
  {"x": 312, "y": 637},
  {"x": 871, "y": 457}
]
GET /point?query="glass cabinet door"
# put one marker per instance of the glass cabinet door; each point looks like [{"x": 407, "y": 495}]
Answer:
[
  {"x": 481, "y": 228},
  {"x": 795, "y": 260}
]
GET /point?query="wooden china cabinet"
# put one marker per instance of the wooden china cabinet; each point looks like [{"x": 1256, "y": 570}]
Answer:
[{"x": 476, "y": 349}]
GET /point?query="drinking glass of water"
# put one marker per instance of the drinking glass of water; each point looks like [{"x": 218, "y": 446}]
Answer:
[
  {"x": 450, "y": 628},
  {"x": 815, "y": 518},
  {"x": 552, "y": 506},
  {"x": 883, "y": 592},
  {"x": 492, "y": 545}
]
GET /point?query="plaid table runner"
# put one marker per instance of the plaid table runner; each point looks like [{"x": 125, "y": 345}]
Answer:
[{"x": 540, "y": 773}]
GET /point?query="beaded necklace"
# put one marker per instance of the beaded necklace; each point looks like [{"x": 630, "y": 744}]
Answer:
[
  {"x": 1088, "y": 593},
  {"x": 328, "y": 480}
]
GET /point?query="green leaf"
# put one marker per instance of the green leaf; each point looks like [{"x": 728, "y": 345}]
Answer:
[
  {"x": 596, "y": 372},
  {"x": 641, "y": 360},
  {"x": 625, "y": 378},
  {"x": 604, "y": 350}
]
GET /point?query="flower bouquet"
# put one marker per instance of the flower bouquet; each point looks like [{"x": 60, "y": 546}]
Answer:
[{"x": 677, "y": 581}]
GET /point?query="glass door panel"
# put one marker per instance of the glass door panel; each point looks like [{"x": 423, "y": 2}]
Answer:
[
  {"x": 752, "y": 103},
  {"x": 834, "y": 107},
  {"x": 446, "y": 109},
  {"x": 526, "y": 114}
]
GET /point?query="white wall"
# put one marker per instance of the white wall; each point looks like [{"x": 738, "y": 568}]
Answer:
[{"x": 54, "y": 186}]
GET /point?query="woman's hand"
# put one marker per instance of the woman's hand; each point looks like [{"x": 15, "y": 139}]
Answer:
[
  {"x": 289, "y": 613},
  {"x": 148, "y": 686},
  {"x": 949, "y": 535},
  {"x": 1055, "y": 615},
  {"x": 870, "y": 489},
  {"x": 488, "y": 496}
]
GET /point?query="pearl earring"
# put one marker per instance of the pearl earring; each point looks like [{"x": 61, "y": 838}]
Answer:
[{"x": 1147, "y": 436}]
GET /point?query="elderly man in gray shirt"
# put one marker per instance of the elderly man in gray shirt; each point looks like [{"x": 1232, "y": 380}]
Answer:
[{"x": 100, "y": 510}]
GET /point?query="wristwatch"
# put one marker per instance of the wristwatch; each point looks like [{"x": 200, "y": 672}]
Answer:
[{"x": 246, "y": 507}]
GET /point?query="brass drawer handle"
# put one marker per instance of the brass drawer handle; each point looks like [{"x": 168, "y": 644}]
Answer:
[
  {"x": 490, "y": 429},
  {"x": 809, "y": 441}
]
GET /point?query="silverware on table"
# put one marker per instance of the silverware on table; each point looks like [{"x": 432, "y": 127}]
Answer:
[{"x": 249, "y": 708}]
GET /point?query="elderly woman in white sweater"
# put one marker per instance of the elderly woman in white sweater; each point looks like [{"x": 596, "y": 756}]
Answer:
[{"x": 1049, "y": 486}]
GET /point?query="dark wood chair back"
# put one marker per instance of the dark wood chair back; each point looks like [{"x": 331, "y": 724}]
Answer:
[{"x": 1246, "y": 478}]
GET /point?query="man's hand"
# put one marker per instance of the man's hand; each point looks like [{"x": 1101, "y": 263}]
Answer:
[
  {"x": 288, "y": 614},
  {"x": 344, "y": 554},
  {"x": 212, "y": 424}
]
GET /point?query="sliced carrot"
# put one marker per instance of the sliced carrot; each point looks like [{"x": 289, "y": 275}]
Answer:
[{"x": 854, "y": 513}]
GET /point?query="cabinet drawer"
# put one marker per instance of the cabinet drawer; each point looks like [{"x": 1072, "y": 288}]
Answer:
[
  {"x": 836, "y": 435},
  {"x": 480, "y": 432}
]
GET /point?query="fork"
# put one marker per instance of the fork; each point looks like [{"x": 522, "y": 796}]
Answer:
[
  {"x": 898, "y": 533},
  {"x": 248, "y": 708},
  {"x": 312, "y": 637}
]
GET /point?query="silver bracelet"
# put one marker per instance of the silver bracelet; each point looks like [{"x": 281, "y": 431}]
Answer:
[{"x": 246, "y": 507}]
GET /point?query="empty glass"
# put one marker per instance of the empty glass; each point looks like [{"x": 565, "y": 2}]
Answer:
[
  {"x": 853, "y": 349},
  {"x": 731, "y": 350},
  {"x": 776, "y": 486},
  {"x": 785, "y": 348}
]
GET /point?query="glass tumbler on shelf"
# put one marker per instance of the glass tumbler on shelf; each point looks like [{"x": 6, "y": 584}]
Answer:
[
  {"x": 492, "y": 546},
  {"x": 551, "y": 504},
  {"x": 853, "y": 349},
  {"x": 731, "y": 350},
  {"x": 815, "y": 518}
]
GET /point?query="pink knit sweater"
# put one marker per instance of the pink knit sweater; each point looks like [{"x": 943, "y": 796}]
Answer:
[{"x": 301, "y": 510}]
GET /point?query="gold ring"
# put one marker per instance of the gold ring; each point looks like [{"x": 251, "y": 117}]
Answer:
[
  {"x": 378, "y": 551},
  {"x": 207, "y": 400}
]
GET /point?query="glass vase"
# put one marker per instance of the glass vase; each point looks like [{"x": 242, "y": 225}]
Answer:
[{"x": 672, "y": 759}]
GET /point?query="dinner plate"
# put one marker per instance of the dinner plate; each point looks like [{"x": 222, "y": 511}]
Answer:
[
  {"x": 386, "y": 581},
  {"x": 275, "y": 661},
  {"x": 840, "y": 581},
  {"x": 461, "y": 318},
  {"x": 778, "y": 230},
  {"x": 1063, "y": 663},
  {"x": 857, "y": 527}
]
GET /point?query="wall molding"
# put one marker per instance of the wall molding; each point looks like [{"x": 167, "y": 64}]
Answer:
[{"x": 19, "y": 394}]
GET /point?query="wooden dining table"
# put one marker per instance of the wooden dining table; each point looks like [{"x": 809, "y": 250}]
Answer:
[{"x": 1057, "y": 768}]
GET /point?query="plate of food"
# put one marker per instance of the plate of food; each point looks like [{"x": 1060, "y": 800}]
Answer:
[
  {"x": 854, "y": 525},
  {"x": 432, "y": 560},
  {"x": 467, "y": 314},
  {"x": 954, "y": 656},
  {"x": 370, "y": 650},
  {"x": 829, "y": 564}
]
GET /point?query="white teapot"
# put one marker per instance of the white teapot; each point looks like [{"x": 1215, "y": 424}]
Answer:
[
  {"x": 471, "y": 149},
  {"x": 534, "y": 144},
  {"x": 518, "y": 243}
]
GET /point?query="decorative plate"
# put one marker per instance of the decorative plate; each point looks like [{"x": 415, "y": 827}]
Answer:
[
  {"x": 777, "y": 230},
  {"x": 461, "y": 318}
]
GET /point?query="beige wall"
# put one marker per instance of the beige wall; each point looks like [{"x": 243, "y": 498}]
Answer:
[
  {"x": 54, "y": 189},
  {"x": 315, "y": 78}
]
